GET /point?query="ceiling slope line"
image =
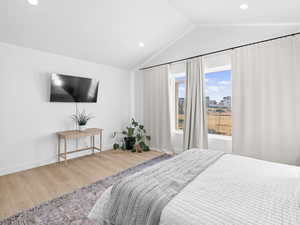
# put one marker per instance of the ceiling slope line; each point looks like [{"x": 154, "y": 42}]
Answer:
[
  {"x": 247, "y": 24},
  {"x": 166, "y": 47}
]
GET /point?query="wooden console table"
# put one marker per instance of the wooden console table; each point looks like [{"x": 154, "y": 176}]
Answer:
[{"x": 74, "y": 134}]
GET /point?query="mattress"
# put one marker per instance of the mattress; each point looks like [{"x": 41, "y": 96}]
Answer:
[{"x": 235, "y": 190}]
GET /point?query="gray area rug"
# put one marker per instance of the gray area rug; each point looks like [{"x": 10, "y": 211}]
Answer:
[{"x": 73, "y": 208}]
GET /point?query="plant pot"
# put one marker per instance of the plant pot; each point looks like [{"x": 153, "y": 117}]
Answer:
[
  {"x": 81, "y": 127},
  {"x": 129, "y": 142},
  {"x": 138, "y": 148}
]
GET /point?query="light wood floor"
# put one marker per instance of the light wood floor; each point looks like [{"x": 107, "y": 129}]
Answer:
[{"x": 26, "y": 189}]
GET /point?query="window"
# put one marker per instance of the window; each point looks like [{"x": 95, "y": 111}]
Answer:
[
  {"x": 218, "y": 102},
  {"x": 179, "y": 101},
  {"x": 178, "y": 78},
  {"x": 218, "y": 97}
]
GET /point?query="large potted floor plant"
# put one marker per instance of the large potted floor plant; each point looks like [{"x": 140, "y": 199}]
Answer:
[
  {"x": 133, "y": 138},
  {"x": 129, "y": 138}
]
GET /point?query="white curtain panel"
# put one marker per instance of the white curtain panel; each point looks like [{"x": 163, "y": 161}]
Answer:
[
  {"x": 195, "y": 128},
  {"x": 266, "y": 100},
  {"x": 157, "y": 107}
]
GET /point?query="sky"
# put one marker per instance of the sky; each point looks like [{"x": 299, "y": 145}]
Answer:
[{"x": 217, "y": 85}]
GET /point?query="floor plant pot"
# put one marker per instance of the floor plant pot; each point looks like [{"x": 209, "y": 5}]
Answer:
[
  {"x": 138, "y": 148},
  {"x": 129, "y": 142}
]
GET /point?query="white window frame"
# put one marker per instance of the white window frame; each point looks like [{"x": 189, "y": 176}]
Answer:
[
  {"x": 212, "y": 70},
  {"x": 207, "y": 70},
  {"x": 177, "y": 83}
]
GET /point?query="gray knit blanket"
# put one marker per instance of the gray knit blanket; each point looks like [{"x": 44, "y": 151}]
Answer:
[{"x": 140, "y": 199}]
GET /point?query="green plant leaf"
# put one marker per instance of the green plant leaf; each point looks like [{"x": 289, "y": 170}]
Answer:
[
  {"x": 116, "y": 146},
  {"x": 146, "y": 148},
  {"x": 134, "y": 123},
  {"x": 123, "y": 147},
  {"x": 139, "y": 137},
  {"x": 82, "y": 118}
]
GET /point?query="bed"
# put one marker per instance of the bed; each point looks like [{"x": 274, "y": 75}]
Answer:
[{"x": 230, "y": 190}]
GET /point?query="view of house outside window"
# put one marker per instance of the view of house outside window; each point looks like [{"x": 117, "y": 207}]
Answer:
[
  {"x": 218, "y": 89},
  {"x": 218, "y": 102},
  {"x": 179, "y": 104}
]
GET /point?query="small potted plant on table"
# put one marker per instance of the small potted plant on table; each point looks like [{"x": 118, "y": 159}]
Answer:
[{"x": 81, "y": 119}]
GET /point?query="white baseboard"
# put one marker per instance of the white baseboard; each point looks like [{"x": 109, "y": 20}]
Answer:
[
  {"x": 30, "y": 165},
  {"x": 163, "y": 150}
]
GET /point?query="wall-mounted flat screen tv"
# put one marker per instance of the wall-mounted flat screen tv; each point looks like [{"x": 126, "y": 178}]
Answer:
[{"x": 66, "y": 88}]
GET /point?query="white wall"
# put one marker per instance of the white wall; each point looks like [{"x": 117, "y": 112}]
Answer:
[
  {"x": 207, "y": 39},
  {"x": 28, "y": 121}
]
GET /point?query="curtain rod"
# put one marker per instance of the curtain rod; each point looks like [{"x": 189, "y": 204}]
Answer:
[{"x": 223, "y": 50}]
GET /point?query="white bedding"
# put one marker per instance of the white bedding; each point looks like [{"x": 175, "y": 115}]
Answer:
[
  {"x": 234, "y": 190},
  {"x": 237, "y": 191}
]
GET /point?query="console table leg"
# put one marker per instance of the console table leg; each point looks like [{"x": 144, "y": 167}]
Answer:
[
  {"x": 93, "y": 144},
  {"x": 58, "y": 149},
  {"x": 65, "y": 151},
  {"x": 100, "y": 141}
]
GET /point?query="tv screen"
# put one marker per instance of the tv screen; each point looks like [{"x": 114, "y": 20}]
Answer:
[{"x": 73, "y": 89}]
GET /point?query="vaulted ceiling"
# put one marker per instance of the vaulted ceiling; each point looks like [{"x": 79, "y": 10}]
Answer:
[
  {"x": 102, "y": 31},
  {"x": 109, "y": 31},
  {"x": 228, "y": 12}
]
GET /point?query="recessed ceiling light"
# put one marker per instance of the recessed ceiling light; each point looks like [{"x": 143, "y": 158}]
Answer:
[
  {"x": 33, "y": 2},
  {"x": 244, "y": 6},
  {"x": 141, "y": 44}
]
